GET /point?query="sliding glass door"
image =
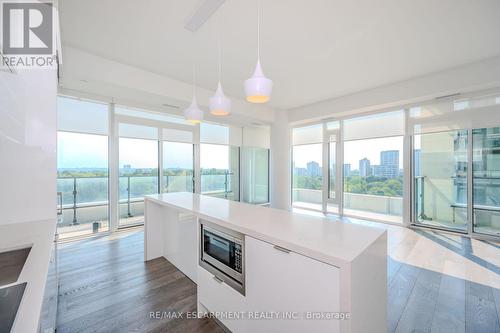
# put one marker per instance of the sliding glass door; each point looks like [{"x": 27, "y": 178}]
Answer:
[
  {"x": 220, "y": 169},
  {"x": 486, "y": 180},
  {"x": 177, "y": 167},
  {"x": 255, "y": 175},
  {"x": 307, "y": 177},
  {"x": 82, "y": 167},
  {"x": 138, "y": 171},
  {"x": 82, "y": 183},
  {"x": 440, "y": 179}
]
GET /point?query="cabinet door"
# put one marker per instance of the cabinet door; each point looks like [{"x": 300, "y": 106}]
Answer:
[
  {"x": 289, "y": 284},
  {"x": 222, "y": 299}
]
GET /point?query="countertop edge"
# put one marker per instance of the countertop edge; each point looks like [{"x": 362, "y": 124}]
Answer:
[
  {"x": 41, "y": 235},
  {"x": 305, "y": 251}
]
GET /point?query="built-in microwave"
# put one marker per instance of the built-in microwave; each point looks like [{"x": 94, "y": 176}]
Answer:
[{"x": 222, "y": 253}]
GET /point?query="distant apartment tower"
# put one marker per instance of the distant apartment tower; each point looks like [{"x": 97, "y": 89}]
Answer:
[
  {"x": 416, "y": 158},
  {"x": 347, "y": 170},
  {"x": 365, "y": 169},
  {"x": 313, "y": 169},
  {"x": 389, "y": 164}
]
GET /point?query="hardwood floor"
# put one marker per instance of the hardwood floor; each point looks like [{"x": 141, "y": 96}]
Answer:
[
  {"x": 106, "y": 287},
  {"x": 436, "y": 283}
]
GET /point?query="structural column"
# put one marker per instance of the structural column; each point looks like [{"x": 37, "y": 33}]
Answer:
[{"x": 280, "y": 173}]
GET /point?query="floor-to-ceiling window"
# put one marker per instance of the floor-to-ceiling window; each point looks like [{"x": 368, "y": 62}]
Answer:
[
  {"x": 440, "y": 179},
  {"x": 138, "y": 170},
  {"x": 220, "y": 161},
  {"x": 255, "y": 175},
  {"x": 307, "y": 167},
  {"x": 456, "y": 177},
  {"x": 178, "y": 166},
  {"x": 373, "y": 168},
  {"x": 334, "y": 173},
  {"x": 486, "y": 180},
  {"x": 82, "y": 167},
  {"x": 219, "y": 171}
]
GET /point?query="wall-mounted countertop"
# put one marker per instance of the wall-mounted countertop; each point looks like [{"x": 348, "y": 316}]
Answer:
[
  {"x": 40, "y": 236},
  {"x": 333, "y": 242}
]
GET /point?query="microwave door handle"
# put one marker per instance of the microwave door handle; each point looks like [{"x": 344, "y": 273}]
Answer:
[{"x": 223, "y": 242}]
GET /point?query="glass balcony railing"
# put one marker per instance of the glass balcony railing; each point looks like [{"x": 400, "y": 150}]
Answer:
[
  {"x": 378, "y": 207},
  {"x": 84, "y": 200}
]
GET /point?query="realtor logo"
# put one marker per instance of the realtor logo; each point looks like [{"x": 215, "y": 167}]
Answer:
[
  {"x": 27, "y": 28},
  {"x": 27, "y": 34}
]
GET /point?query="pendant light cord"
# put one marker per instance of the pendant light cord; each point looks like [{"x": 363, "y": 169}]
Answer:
[
  {"x": 258, "y": 30},
  {"x": 194, "y": 66},
  {"x": 220, "y": 54}
]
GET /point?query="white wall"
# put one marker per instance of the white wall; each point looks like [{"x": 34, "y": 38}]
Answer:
[{"x": 27, "y": 145}]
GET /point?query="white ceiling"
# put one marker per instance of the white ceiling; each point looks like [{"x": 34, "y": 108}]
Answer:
[{"x": 313, "y": 50}]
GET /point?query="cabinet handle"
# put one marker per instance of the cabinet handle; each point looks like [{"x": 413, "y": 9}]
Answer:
[
  {"x": 282, "y": 249},
  {"x": 218, "y": 279}
]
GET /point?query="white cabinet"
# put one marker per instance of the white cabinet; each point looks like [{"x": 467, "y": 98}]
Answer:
[
  {"x": 220, "y": 298},
  {"x": 290, "y": 284},
  {"x": 28, "y": 145}
]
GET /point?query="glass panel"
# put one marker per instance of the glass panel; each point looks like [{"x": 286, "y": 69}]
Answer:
[
  {"x": 375, "y": 189},
  {"x": 332, "y": 204},
  {"x": 219, "y": 167},
  {"x": 174, "y": 135},
  {"x": 375, "y": 126},
  {"x": 150, "y": 115},
  {"x": 440, "y": 171},
  {"x": 177, "y": 167},
  {"x": 82, "y": 180},
  {"x": 138, "y": 172},
  {"x": 307, "y": 176},
  {"x": 74, "y": 115},
  {"x": 138, "y": 131},
  {"x": 486, "y": 170},
  {"x": 255, "y": 175},
  {"x": 307, "y": 135}
]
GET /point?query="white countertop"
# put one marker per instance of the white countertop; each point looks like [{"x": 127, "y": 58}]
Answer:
[
  {"x": 40, "y": 236},
  {"x": 333, "y": 242}
]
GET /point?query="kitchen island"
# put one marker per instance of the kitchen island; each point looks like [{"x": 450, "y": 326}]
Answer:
[{"x": 302, "y": 272}]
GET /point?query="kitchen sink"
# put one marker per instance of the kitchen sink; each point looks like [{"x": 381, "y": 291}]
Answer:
[{"x": 11, "y": 264}]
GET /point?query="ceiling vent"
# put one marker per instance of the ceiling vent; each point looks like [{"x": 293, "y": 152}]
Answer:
[{"x": 201, "y": 14}]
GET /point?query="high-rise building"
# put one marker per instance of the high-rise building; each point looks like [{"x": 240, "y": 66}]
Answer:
[
  {"x": 313, "y": 169},
  {"x": 416, "y": 157},
  {"x": 365, "y": 169},
  {"x": 389, "y": 164},
  {"x": 347, "y": 170}
]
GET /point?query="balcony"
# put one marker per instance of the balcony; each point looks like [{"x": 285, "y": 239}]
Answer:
[
  {"x": 83, "y": 205},
  {"x": 367, "y": 206}
]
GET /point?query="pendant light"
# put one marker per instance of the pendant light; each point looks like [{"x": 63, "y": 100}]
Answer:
[
  {"x": 193, "y": 113},
  {"x": 258, "y": 88},
  {"x": 219, "y": 104}
]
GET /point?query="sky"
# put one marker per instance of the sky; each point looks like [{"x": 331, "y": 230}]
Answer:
[
  {"x": 76, "y": 150},
  {"x": 90, "y": 151}
]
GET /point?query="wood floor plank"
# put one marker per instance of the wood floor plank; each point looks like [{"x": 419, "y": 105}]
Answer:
[
  {"x": 449, "y": 315},
  {"x": 398, "y": 293},
  {"x": 419, "y": 311},
  {"x": 481, "y": 314}
]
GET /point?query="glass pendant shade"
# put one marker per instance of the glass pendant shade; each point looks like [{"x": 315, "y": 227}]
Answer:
[
  {"x": 192, "y": 113},
  {"x": 219, "y": 104},
  {"x": 258, "y": 88}
]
